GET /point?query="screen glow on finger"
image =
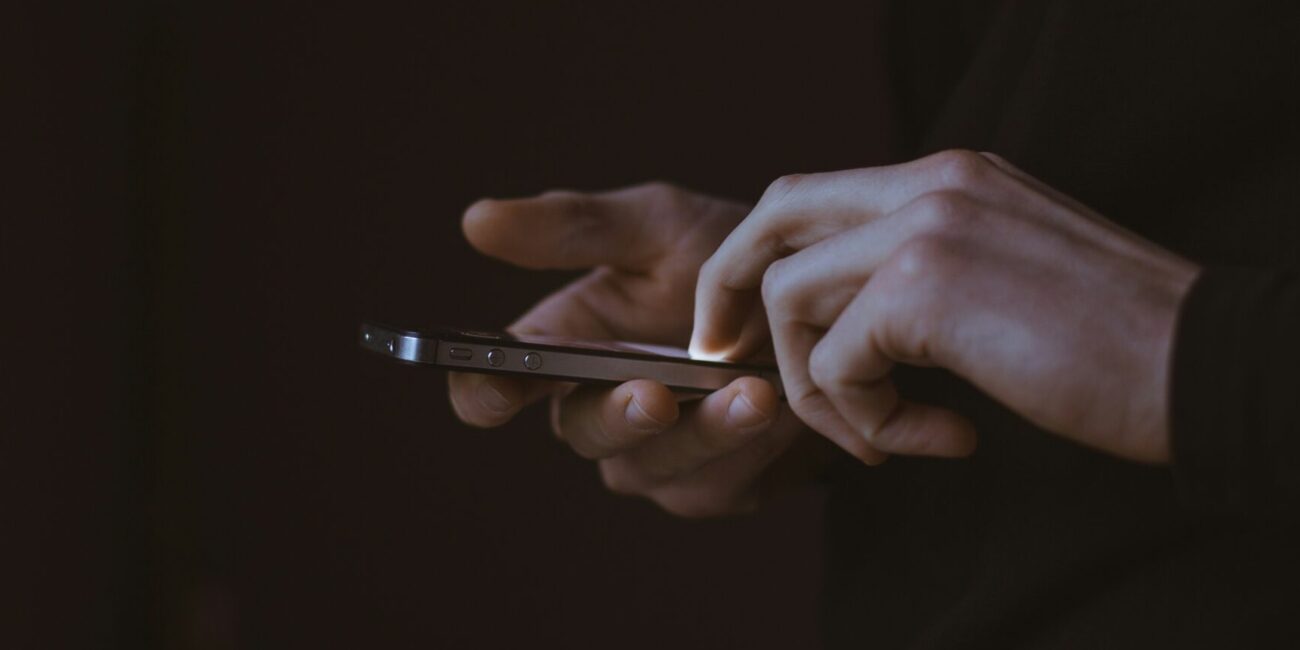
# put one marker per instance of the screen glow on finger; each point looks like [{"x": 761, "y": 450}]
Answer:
[{"x": 704, "y": 355}]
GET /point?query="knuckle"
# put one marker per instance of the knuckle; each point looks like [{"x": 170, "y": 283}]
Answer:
[
  {"x": 926, "y": 258},
  {"x": 582, "y": 209},
  {"x": 666, "y": 198},
  {"x": 587, "y": 207},
  {"x": 660, "y": 188},
  {"x": 959, "y": 167},
  {"x": 775, "y": 286},
  {"x": 944, "y": 211},
  {"x": 783, "y": 187},
  {"x": 825, "y": 370}
]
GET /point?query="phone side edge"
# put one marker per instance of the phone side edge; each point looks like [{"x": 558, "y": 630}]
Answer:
[{"x": 400, "y": 345}]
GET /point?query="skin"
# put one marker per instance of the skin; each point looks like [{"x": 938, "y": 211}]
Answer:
[
  {"x": 644, "y": 246},
  {"x": 961, "y": 261},
  {"x": 957, "y": 260}
]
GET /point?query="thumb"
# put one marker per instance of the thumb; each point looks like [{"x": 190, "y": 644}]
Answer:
[{"x": 573, "y": 230}]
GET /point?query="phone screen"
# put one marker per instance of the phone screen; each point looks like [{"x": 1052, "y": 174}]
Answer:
[{"x": 607, "y": 346}]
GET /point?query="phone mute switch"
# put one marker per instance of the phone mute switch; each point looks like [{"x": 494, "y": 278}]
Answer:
[{"x": 461, "y": 354}]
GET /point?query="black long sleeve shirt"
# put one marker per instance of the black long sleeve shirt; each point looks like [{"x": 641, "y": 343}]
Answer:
[
  {"x": 1180, "y": 121},
  {"x": 1235, "y": 403}
]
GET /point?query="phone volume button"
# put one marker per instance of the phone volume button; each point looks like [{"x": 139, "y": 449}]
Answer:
[
  {"x": 495, "y": 357},
  {"x": 532, "y": 361}
]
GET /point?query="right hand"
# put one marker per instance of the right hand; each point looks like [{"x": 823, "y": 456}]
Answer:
[{"x": 646, "y": 244}]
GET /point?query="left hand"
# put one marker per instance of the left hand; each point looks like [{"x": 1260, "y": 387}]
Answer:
[
  {"x": 961, "y": 261},
  {"x": 722, "y": 454}
]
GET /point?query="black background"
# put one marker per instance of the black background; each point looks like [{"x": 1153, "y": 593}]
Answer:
[{"x": 209, "y": 197}]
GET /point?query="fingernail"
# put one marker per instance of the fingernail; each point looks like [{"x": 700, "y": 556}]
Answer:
[
  {"x": 742, "y": 414},
  {"x": 492, "y": 399},
  {"x": 639, "y": 419}
]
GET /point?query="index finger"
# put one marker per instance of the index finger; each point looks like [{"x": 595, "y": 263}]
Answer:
[
  {"x": 572, "y": 230},
  {"x": 562, "y": 230},
  {"x": 794, "y": 213}
]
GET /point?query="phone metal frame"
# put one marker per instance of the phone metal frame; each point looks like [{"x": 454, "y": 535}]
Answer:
[{"x": 557, "y": 362}]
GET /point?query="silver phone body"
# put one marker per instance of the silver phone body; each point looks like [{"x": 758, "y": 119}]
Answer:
[{"x": 609, "y": 362}]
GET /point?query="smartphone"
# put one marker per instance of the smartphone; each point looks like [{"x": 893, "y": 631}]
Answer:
[{"x": 558, "y": 358}]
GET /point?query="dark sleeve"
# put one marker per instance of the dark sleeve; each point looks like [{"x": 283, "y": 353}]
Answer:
[{"x": 1235, "y": 392}]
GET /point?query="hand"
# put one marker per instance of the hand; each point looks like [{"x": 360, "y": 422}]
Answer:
[
  {"x": 961, "y": 261},
  {"x": 646, "y": 244}
]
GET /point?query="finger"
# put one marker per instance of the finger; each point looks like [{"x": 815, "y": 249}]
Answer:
[
  {"x": 604, "y": 304},
  {"x": 815, "y": 284},
  {"x": 573, "y": 230},
  {"x": 851, "y": 366},
  {"x": 491, "y": 400},
  {"x": 798, "y": 211},
  {"x": 792, "y": 342},
  {"x": 707, "y": 430},
  {"x": 732, "y": 483},
  {"x": 805, "y": 293},
  {"x": 794, "y": 212},
  {"x": 601, "y": 422}
]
